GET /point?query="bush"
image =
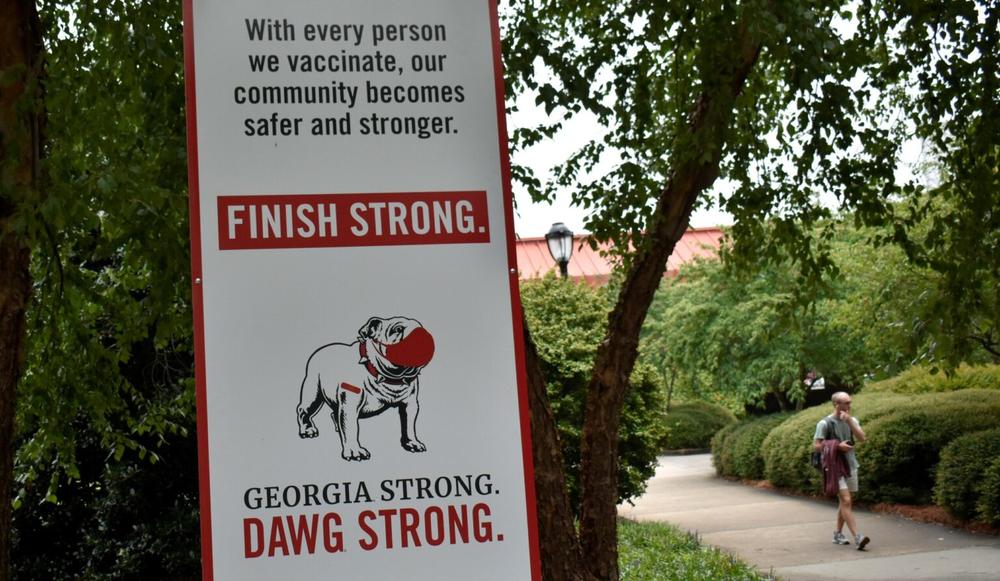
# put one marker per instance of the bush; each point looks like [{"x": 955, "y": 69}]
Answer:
[
  {"x": 692, "y": 425},
  {"x": 920, "y": 379},
  {"x": 960, "y": 473},
  {"x": 567, "y": 321},
  {"x": 722, "y": 452},
  {"x": 988, "y": 507},
  {"x": 787, "y": 448},
  {"x": 900, "y": 458},
  {"x": 746, "y": 443}
]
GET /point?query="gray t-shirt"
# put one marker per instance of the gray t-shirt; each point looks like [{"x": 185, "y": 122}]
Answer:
[{"x": 840, "y": 430}]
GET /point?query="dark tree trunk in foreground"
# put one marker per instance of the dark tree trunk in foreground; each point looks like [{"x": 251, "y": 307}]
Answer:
[
  {"x": 596, "y": 555},
  {"x": 20, "y": 51},
  {"x": 560, "y": 549}
]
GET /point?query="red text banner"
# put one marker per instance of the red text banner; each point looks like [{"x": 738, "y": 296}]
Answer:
[{"x": 345, "y": 220}]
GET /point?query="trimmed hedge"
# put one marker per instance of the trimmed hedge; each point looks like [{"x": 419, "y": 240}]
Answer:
[
  {"x": 747, "y": 444},
  {"x": 960, "y": 473},
  {"x": 736, "y": 449},
  {"x": 919, "y": 379},
  {"x": 988, "y": 507},
  {"x": 721, "y": 450},
  {"x": 903, "y": 449},
  {"x": 906, "y": 434},
  {"x": 692, "y": 425}
]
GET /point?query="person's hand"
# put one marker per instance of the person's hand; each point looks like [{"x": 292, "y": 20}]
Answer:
[
  {"x": 843, "y": 415},
  {"x": 844, "y": 447}
]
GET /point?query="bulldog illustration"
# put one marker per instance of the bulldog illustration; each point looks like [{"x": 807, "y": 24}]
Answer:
[{"x": 365, "y": 378}]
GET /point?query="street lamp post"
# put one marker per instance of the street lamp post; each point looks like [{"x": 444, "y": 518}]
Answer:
[{"x": 560, "y": 241}]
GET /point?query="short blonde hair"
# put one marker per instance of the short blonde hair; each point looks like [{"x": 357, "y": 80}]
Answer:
[{"x": 837, "y": 397}]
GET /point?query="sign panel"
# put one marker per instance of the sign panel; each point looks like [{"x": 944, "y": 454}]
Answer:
[{"x": 362, "y": 407}]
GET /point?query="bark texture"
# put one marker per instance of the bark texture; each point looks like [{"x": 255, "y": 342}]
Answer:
[
  {"x": 617, "y": 353},
  {"x": 20, "y": 51},
  {"x": 560, "y": 548}
]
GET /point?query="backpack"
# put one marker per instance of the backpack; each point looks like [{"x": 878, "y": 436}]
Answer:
[{"x": 816, "y": 461}]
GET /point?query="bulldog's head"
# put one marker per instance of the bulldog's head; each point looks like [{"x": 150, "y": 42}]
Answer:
[{"x": 397, "y": 347}]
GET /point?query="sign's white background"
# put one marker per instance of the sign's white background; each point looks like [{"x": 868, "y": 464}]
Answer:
[{"x": 266, "y": 311}]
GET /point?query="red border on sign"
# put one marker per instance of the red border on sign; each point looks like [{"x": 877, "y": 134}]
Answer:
[
  {"x": 198, "y": 299},
  {"x": 515, "y": 302}
]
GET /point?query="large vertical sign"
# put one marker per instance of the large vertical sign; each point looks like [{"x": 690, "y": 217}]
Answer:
[{"x": 361, "y": 398}]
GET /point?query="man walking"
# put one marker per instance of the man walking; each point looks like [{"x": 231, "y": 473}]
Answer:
[{"x": 841, "y": 425}]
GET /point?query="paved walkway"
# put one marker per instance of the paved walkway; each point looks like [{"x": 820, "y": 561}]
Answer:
[{"x": 790, "y": 537}]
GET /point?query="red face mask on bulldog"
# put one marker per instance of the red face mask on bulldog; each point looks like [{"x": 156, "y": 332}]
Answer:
[{"x": 398, "y": 348}]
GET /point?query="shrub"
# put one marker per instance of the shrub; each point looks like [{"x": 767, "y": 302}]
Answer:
[
  {"x": 746, "y": 443},
  {"x": 900, "y": 458},
  {"x": 787, "y": 448},
  {"x": 960, "y": 472},
  {"x": 567, "y": 321},
  {"x": 988, "y": 507},
  {"x": 692, "y": 425},
  {"x": 722, "y": 451},
  {"x": 920, "y": 379}
]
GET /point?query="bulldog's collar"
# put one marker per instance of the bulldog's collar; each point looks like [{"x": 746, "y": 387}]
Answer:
[{"x": 363, "y": 351}]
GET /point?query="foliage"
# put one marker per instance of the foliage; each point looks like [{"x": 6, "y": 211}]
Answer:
[
  {"x": 746, "y": 335},
  {"x": 960, "y": 473},
  {"x": 107, "y": 399},
  {"x": 109, "y": 330},
  {"x": 656, "y": 551},
  {"x": 722, "y": 456},
  {"x": 903, "y": 448},
  {"x": 739, "y": 452},
  {"x": 692, "y": 425},
  {"x": 923, "y": 379},
  {"x": 567, "y": 322},
  {"x": 118, "y": 520},
  {"x": 988, "y": 507}
]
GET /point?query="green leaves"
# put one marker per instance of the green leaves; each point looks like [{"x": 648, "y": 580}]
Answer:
[{"x": 110, "y": 338}]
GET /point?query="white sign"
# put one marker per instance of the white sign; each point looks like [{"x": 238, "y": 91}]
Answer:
[{"x": 362, "y": 407}]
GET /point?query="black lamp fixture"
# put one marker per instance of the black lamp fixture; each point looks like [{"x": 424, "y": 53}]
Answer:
[{"x": 560, "y": 241}]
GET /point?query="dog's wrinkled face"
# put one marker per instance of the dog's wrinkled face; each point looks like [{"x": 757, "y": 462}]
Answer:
[{"x": 398, "y": 347}]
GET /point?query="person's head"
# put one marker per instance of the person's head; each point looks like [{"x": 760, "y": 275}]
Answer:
[{"x": 841, "y": 401}]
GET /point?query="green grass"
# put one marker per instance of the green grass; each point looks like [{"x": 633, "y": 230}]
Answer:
[{"x": 655, "y": 551}]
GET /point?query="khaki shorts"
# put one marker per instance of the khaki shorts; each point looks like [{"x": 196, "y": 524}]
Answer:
[{"x": 849, "y": 483}]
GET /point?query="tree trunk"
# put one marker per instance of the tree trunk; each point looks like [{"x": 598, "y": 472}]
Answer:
[
  {"x": 20, "y": 51},
  {"x": 560, "y": 549},
  {"x": 670, "y": 387},
  {"x": 617, "y": 353}
]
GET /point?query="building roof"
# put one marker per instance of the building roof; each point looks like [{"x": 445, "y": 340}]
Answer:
[{"x": 534, "y": 260}]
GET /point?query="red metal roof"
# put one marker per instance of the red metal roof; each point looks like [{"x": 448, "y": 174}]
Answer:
[{"x": 534, "y": 260}]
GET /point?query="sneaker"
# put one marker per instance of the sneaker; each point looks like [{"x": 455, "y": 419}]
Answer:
[
  {"x": 840, "y": 539},
  {"x": 861, "y": 541}
]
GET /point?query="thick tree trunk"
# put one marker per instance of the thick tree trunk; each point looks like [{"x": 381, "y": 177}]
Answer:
[
  {"x": 560, "y": 549},
  {"x": 20, "y": 51},
  {"x": 617, "y": 353}
]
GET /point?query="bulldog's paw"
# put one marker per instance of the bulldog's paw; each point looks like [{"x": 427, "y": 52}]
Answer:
[
  {"x": 355, "y": 453},
  {"x": 309, "y": 431},
  {"x": 413, "y": 445}
]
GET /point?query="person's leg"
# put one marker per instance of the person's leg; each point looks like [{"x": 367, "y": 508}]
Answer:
[
  {"x": 845, "y": 512},
  {"x": 859, "y": 539}
]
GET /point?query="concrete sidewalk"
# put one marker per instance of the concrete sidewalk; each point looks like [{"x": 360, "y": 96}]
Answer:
[{"x": 791, "y": 537}]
